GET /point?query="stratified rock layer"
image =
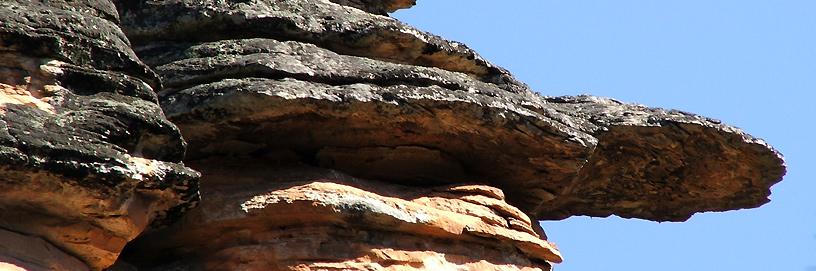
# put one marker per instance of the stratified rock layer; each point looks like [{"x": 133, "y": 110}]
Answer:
[
  {"x": 556, "y": 157},
  {"x": 321, "y": 22},
  {"x": 381, "y": 7},
  {"x": 87, "y": 158},
  {"x": 294, "y": 217},
  {"x": 331, "y": 137}
]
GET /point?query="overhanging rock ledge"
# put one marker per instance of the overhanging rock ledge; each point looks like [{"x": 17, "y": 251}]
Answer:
[{"x": 328, "y": 135}]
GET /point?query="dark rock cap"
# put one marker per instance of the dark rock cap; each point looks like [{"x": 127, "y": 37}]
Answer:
[
  {"x": 381, "y": 7},
  {"x": 345, "y": 89},
  {"x": 87, "y": 158},
  {"x": 343, "y": 30}
]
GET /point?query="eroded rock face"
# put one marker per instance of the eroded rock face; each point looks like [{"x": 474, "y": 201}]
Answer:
[
  {"x": 339, "y": 102},
  {"x": 312, "y": 85},
  {"x": 321, "y": 22},
  {"x": 377, "y": 7},
  {"x": 295, "y": 217},
  {"x": 663, "y": 165},
  {"x": 87, "y": 158},
  {"x": 330, "y": 137}
]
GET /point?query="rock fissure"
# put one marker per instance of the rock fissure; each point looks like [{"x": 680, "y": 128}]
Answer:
[{"x": 261, "y": 72}]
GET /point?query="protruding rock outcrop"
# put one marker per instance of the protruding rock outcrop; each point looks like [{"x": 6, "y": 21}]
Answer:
[
  {"x": 87, "y": 158},
  {"x": 310, "y": 85},
  {"x": 240, "y": 90},
  {"x": 330, "y": 137},
  {"x": 662, "y": 165},
  {"x": 381, "y": 7}
]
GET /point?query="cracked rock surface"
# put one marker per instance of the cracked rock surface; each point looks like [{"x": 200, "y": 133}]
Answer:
[{"x": 87, "y": 158}]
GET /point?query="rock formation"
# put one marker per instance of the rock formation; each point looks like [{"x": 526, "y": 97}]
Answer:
[
  {"x": 88, "y": 158},
  {"x": 328, "y": 136}
]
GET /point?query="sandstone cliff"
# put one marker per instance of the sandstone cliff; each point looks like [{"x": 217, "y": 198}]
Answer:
[{"x": 328, "y": 136}]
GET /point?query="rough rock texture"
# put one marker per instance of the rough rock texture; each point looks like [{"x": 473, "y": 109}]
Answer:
[
  {"x": 330, "y": 137},
  {"x": 294, "y": 217},
  {"x": 270, "y": 94},
  {"x": 555, "y": 156},
  {"x": 329, "y": 25},
  {"x": 87, "y": 159},
  {"x": 377, "y": 6},
  {"x": 662, "y": 164}
]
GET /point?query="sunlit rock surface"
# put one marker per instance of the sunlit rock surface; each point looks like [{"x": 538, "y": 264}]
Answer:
[
  {"x": 329, "y": 137},
  {"x": 261, "y": 76},
  {"x": 291, "y": 217},
  {"x": 87, "y": 159}
]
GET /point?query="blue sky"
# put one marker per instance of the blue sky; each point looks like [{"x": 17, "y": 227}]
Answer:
[{"x": 749, "y": 63}]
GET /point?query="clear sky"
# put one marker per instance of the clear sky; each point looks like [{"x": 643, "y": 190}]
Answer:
[{"x": 749, "y": 63}]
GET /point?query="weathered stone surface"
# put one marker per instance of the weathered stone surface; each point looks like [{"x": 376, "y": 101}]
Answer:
[
  {"x": 381, "y": 7},
  {"x": 254, "y": 217},
  {"x": 291, "y": 83},
  {"x": 399, "y": 133},
  {"x": 663, "y": 164},
  {"x": 331, "y": 137},
  {"x": 87, "y": 158},
  {"x": 411, "y": 124},
  {"x": 188, "y": 64},
  {"x": 51, "y": 30},
  {"x": 340, "y": 29},
  {"x": 413, "y": 134}
]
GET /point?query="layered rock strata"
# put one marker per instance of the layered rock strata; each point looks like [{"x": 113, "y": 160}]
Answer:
[
  {"x": 87, "y": 158},
  {"x": 377, "y": 7},
  {"x": 313, "y": 85},
  {"x": 297, "y": 217},
  {"x": 330, "y": 137},
  {"x": 370, "y": 96}
]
